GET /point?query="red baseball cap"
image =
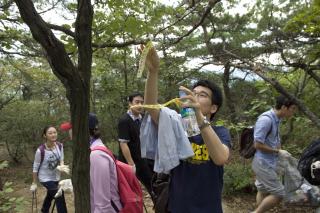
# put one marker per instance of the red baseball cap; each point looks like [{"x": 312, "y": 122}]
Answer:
[{"x": 65, "y": 126}]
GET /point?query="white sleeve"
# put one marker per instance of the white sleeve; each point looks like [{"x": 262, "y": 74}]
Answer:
[
  {"x": 36, "y": 162},
  {"x": 61, "y": 153}
]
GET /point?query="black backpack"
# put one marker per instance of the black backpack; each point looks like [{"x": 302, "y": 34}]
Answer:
[
  {"x": 310, "y": 155},
  {"x": 247, "y": 149}
]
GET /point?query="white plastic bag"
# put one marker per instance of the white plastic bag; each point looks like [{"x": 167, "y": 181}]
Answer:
[{"x": 64, "y": 186}]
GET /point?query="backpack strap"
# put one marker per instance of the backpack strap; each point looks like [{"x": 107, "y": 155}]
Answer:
[
  {"x": 59, "y": 145},
  {"x": 270, "y": 130},
  {"x": 41, "y": 148}
]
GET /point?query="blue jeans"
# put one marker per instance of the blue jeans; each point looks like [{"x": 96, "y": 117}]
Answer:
[{"x": 52, "y": 188}]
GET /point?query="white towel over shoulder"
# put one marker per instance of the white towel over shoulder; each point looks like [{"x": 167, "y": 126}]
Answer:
[{"x": 166, "y": 143}]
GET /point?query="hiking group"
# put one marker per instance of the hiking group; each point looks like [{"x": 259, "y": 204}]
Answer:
[{"x": 156, "y": 143}]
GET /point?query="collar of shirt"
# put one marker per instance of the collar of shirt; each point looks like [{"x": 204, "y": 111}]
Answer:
[
  {"x": 95, "y": 141},
  {"x": 133, "y": 116},
  {"x": 275, "y": 117}
]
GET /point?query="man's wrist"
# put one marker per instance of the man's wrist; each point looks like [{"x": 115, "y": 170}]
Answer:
[
  {"x": 276, "y": 151},
  {"x": 205, "y": 123}
]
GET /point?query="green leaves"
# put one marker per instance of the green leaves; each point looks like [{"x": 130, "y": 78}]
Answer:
[
  {"x": 3, "y": 165},
  {"x": 307, "y": 20},
  {"x": 8, "y": 203},
  {"x": 238, "y": 177}
]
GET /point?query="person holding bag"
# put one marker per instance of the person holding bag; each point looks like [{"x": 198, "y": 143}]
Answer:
[{"x": 47, "y": 167}]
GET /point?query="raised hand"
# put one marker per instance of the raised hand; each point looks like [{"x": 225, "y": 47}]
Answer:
[
  {"x": 190, "y": 99},
  {"x": 152, "y": 60}
]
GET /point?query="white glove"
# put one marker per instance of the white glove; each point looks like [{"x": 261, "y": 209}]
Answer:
[
  {"x": 64, "y": 168},
  {"x": 33, "y": 187},
  {"x": 64, "y": 186},
  {"x": 283, "y": 153},
  {"x": 134, "y": 168}
]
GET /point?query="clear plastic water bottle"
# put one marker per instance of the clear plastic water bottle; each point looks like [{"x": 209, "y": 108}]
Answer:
[{"x": 189, "y": 119}]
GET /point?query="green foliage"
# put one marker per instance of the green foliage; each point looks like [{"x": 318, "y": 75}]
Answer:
[
  {"x": 306, "y": 20},
  {"x": 238, "y": 177},
  {"x": 24, "y": 130},
  {"x": 257, "y": 107},
  {"x": 3, "y": 165},
  {"x": 9, "y": 203},
  {"x": 303, "y": 134},
  {"x": 252, "y": 34}
]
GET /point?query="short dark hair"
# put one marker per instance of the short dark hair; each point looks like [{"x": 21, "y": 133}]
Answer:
[
  {"x": 216, "y": 98},
  {"x": 282, "y": 100},
  {"x": 133, "y": 95},
  {"x": 93, "y": 122}
]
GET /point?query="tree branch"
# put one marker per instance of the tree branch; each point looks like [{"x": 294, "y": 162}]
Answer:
[
  {"x": 306, "y": 67},
  {"x": 174, "y": 23},
  {"x": 259, "y": 70},
  {"x": 52, "y": 7},
  {"x": 62, "y": 29},
  {"x": 211, "y": 4},
  {"x": 120, "y": 44},
  {"x": 17, "y": 53},
  {"x": 209, "y": 7},
  {"x": 57, "y": 56}
]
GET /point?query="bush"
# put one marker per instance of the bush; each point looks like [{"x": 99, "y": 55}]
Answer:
[
  {"x": 238, "y": 178},
  {"x": 8, "y": 203},
  {"x": 23, "y": 130}
]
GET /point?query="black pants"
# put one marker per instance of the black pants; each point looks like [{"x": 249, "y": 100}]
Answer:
[
  {"x": 52, "y": 188},
  {"x": 144, "y": 172}
]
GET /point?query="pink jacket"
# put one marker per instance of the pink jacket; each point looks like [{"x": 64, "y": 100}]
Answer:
[{"x": 103, "y": 181}]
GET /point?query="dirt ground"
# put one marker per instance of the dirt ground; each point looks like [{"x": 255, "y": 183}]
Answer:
[{"x": 20, "y": 175}]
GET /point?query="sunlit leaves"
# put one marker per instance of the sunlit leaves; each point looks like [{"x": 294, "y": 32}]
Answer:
[{"x": 306, "y": 20}]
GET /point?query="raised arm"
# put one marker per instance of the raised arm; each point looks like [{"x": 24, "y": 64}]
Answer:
[{"x": 151, "y": 87}]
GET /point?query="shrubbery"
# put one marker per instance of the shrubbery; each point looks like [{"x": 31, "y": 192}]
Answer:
[
  {"x": 9, "y": 203},
  {"x": 238, "y": 177}
]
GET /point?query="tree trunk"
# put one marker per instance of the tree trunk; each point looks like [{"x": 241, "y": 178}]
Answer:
[
  {"x": 125, "y": 71},
  {"x": 77, "y": 83},
  {"x": 81, "y": 162},
  {"x": 227, "y": 93}
]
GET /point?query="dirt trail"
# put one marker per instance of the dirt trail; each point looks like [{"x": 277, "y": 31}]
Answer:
[
  {"x": 41, "y": 192},
  {"x": 231, "y": 204},
  {"x": 21, "y": 178},
  {"x": 23, "y": 190}
]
